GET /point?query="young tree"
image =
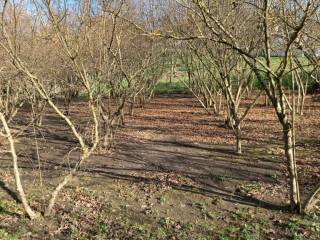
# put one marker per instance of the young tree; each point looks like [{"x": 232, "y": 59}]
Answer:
[{"x": 233, "y": 76}]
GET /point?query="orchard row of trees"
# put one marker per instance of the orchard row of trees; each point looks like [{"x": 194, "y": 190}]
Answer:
[
  {"x": 113, "y": 52},
  {"x": 230, "y": 45},
  {"x": 55, "y": 51}
]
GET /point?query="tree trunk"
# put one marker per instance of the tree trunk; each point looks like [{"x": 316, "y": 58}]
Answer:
[
  {"x": 142, "y": 101},
  {"x": 230, "y": 122},
  {"x": 220, "y": 102},
  {"x": 299, "y": 101},
  {"x": 108, "y": 137},
  {"x": 295, "y": 202},
  {"x": 132, "y": 105},
  {"x": 238, "y": 136},
  {"x": 85, "y": 154},
  {"x": 266, "y": 100},
  {"x": 55, "y": 193},
  {"x": 121, "y": 120},
  {"x": 16, "y": 172},
  {"x": 303, "y": 98}
]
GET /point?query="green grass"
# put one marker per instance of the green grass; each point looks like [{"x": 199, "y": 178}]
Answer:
[
  {"x": 287, "y": 81},
  {"x": 170, "y": 88},
  {"x": 275, "y": 62},
  {"x": 7, "y": 236}
]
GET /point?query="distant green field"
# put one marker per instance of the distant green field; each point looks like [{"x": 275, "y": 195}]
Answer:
[
  {"x": 177, "y": 85},
  {"x": 174, "y": 87},
  {"x": 275, "y": 62}
]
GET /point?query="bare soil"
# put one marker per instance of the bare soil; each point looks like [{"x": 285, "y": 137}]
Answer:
[{"x": 172, "y": 174}]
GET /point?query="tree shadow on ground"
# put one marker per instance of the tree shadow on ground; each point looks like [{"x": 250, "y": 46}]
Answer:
[
  {"x": 204, "y": 164},
  {"x": 9, "y": 191},
  {"x": 206, "y": 190}
]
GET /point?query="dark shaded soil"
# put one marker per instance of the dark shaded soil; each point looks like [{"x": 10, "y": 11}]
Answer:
[{"x": 172, "y": 174}]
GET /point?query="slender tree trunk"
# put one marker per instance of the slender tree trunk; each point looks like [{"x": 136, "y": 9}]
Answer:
[
  {"x": 121, "y": 118},
  {"x": 132, "y": 105},
  {"x": 214, "y": 107},
  {"x": 16, "y": 172},
  {"x": 303, "y": 98},
  {"x": 248, "y": 91},
  {"x": 142, "y": 101},
  {"x": 173, "y": 66},
  {"x": 299, "y": 101},
  {"x": 220, "y": 102},
  {"x": 189, "y": 78},
  {"x": 295, "y": 201},
  {"x": 8, "y": 94},
  {"x": 108, "y": 137},
  {"x": 238, "y": 136},
  {"x": 266, "y": 100},
  {"x": 55, "y": 193},
  {"x": 304, "y": 94},
  {"x": 85, "y": 154},
  {"x": 39, "y": 120}
]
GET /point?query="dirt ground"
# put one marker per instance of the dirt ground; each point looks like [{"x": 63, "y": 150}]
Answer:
[{"x": 172, "y": 174}]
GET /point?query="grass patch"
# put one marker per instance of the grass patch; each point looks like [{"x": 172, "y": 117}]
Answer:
[{"x": 170, "y": 88}]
